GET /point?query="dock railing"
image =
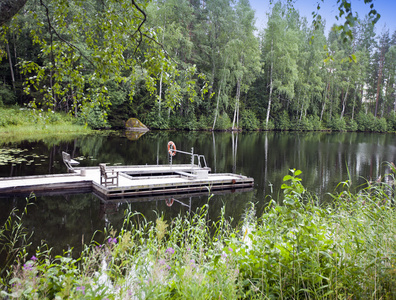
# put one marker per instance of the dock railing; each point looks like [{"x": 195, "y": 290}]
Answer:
[{"x": 172, "y": 152}]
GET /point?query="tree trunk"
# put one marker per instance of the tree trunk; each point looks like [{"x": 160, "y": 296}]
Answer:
[
  {"x": 354, "y": 101},
  {"x": 379, "y": 82},
  {"x": 11, "y": 67},
  {"x": 218, "y": 95},
  {"x": 270, "y": 93},
  {"x": 236, "y": 110},
  {"x": 217, "y": 108},
  {"x": 9, "y": 8},
  {"x": 160, "y": 96},
  {"x": 344, "y": 103},
  {"x": 324, "y": 99}
]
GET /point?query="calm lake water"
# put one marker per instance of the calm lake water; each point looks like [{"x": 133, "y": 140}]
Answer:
[{"x": 69, "y": 220}]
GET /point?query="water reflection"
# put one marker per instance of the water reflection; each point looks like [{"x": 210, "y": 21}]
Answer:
[
  {"x": 69, "y": 221},
  {"x": 325, "y": 159}
]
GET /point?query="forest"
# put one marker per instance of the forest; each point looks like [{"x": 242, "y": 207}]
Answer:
[{"x": 197, "y": 65}]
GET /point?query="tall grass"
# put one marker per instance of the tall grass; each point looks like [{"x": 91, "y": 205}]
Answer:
[
  {"x": 14, "y": 240},
  {"x": 297, "y": 250},
  {"x": 22, "y": 123}
]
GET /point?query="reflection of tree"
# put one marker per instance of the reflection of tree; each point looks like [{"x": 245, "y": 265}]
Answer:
[
  {"x": 325, "y": 159},
  {"x": 63, "y": 221}
]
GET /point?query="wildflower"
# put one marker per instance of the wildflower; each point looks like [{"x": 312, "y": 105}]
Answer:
[
  {"x": 230, "y": 249},
  {"x": 170, "y": 250},
  {"x": 112, "y": 241},
  {"x": 28, "y": 266},
  {"x": 81, "y": 288},
  {"x": 34, "y": 258},
  {"x": 192, "y": 263}
]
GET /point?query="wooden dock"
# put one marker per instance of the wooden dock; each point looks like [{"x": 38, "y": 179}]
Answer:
[{"x": 133, "y": 181}]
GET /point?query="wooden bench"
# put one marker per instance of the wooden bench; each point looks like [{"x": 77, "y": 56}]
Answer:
[
  {"x": 69, "y": 162},
  {"x": 108, "y": 177}
]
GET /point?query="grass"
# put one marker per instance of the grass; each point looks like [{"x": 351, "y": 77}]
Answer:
[
  {"x": 19, "y": 124},
  {"x": 297, "y": 250}
]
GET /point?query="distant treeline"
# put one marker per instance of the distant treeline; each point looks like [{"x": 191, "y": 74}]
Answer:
[{"x": 197, "y": 65}]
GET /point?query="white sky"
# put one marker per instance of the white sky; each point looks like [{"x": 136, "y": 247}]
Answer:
[{"x": 328, "y": 10}]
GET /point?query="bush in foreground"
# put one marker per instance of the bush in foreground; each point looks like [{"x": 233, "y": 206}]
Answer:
[{"x": 297, "y": 250}]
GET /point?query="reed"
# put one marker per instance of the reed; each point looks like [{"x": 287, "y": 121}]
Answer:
[
  {"x": 297, "y": 250},
  {"x": 22, "y": 124}
]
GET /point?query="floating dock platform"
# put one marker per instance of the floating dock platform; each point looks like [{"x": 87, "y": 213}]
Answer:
[{"x": 132, "y": 181}]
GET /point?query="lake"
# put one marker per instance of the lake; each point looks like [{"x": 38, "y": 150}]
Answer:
[{"x": 65, "y": 221}]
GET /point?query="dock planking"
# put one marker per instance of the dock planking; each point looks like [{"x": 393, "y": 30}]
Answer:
[{"x": 133, "y": 181}]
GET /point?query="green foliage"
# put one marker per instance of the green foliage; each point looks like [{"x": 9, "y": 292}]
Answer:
[
  {"x": 308, "y": 124},
  {"x": 391, "y": 122},
  {"x": 204, "y": 122},
  {"x": 269, "y": 126},
  {"x": 93, "y": 117},
  {"x": 283, "y": 121},
  {"x": 352, "y": 125},
  {"x": 11, "y": 117},
  {"x": 294, "y": 250},
  {"x": 18, "y": 124},
  {"x": 367, "y": 122},
  {"x": 7, "y": 97},
  {"x": 249, "y": 120},
  {"x": 223, "y": 122},
  {"x": 14, "y": 240},
  {"x": 155, "y": 121},
  {"x": 109, "y": 61},
  {"x": 380, "y": 125},
  {"x": 337, "y": 124}
]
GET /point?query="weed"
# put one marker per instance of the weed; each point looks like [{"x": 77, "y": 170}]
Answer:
[{"x": 294, "y": 250}]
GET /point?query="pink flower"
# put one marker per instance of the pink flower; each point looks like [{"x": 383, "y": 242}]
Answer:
[
  {"x": 112, "y": 241},
  {"x": 28, "y": 266},
  {"x": 81, "y": 288},
  {"x": 170, "y": 250}
]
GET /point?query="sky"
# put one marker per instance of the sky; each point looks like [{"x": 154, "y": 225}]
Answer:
[{"x": 328, "y": 10}]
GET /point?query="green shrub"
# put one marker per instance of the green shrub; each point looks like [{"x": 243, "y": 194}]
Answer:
[
  {"x": 249, "y": 120},
  {"x": 316, "y": 123},
  {"x": 191, "y": 123},
  {"x": 13, "y": 117},
  {"x": 369, "y": 123},
  {"x": 391, "y": 121},
  {"x": 204, "y": 122},
  {"x": 366, "y": 122},
  {"x": 337, "y": 124},
  {"x": 94, "y": 117},
  {"x": 223, "y": 122},
  {"x": 303, "y": 125},
  {"x": 380, "y": 125},
  {"x": 269, "y": 126},
  {"x": 293, "y": 250},
  {"x": 176, "y": 121},
  {"x": 7, "y": 96},
  {"x": 283, "y": 121},
  {"x": 352, "y": 125},
  {"x": 155, "y": 121}
]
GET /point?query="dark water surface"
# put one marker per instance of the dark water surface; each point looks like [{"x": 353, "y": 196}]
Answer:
[{"x": 69, "y": 220}]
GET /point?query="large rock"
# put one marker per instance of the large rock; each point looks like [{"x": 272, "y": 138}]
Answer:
[{"x": 135, "y": 125}]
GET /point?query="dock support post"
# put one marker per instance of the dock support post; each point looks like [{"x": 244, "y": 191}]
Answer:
[{"x": 192, "y": 157}]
